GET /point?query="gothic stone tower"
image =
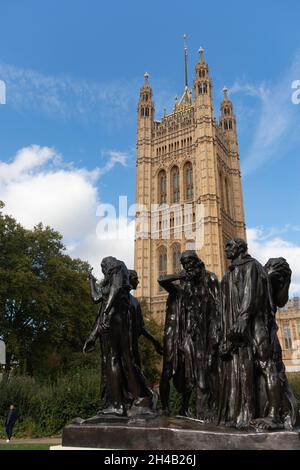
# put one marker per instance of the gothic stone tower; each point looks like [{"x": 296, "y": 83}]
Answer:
[{"x": 185, "y": 160}]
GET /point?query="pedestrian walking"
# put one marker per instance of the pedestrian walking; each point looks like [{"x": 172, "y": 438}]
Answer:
[{"x": 11, "y": 418}]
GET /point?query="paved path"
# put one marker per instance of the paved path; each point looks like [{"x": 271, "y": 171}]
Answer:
[{"x": 42, "y": 440}]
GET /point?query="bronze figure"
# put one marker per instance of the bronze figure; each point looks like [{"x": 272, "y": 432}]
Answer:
[
  {"x": 123, "y": 385},
  {"x": 137, "y": 325},
  {"x": 253, "y": 389},
  {"x": 220, "y": 340},
  {"x": 190, "y": 337}
]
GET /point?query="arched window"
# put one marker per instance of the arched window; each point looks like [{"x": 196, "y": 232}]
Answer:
[
  {"x": 142, "y": 112},
  {"x": 176, "y": 252},
  {"x": 162, "y": 187},
  {"x": 202, "y": 87},
  {"x": 188, "y": 181},
  {"x": 175, "y": 184},
  {"x": 162, "y": 262}
]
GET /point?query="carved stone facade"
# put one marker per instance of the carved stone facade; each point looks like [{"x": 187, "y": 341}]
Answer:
[
  {"x": 187, "y": 161},
  {"x": 288, "y": 320}
]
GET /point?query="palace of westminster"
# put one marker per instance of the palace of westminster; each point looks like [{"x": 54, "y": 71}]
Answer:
[
  {"x": 186, "y": 157},
  {"x": 191, "y": 159}
]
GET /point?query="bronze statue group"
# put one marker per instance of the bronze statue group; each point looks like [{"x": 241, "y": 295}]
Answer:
[{"x": 220, "y": 342}]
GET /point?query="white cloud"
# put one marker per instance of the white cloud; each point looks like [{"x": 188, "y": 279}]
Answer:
[
  {"x": 120, "y": 244},
  {"x": 36, "y": 186},
  {"x": 261, "y": 91},
  {"x": 266, "y": 244},
  {"x": 277, "y": 125},
  {"x": 26, "y": 161},
  {"x": 2, "y": 92},
  {"x": 64, "y": 97},
  {"x": 115, "y": 157}
]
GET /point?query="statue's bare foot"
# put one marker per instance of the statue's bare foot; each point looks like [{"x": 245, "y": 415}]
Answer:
[
  {"x": 242, "y": 426},
  {"x": 112, "y": 410},
  {"x": 266, "y": 424}
]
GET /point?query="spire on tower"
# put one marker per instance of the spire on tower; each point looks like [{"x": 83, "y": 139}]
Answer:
[
  {"x": 225, "y": 91},
  {"x": 146, "y": 105},
  {"x": 202, "y": 82},
  {"x": 185, "y": 63},
  {"x": 227, "y": 118},
  {"x": 201, "y": 50},
  {"x": 186, "y": 98}
]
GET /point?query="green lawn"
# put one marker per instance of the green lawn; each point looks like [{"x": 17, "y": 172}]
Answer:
[{"x": 24, "y": 447}]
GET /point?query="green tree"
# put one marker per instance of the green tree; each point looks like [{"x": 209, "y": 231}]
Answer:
[
  {"x": 45, "y": 306},
  {"x": 151, "y": 361}
]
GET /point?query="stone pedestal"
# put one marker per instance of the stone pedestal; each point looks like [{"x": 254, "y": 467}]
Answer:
[{"x": 162, "y": 433}]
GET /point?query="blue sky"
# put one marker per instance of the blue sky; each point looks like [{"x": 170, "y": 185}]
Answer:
[{"x": 73, "y": 69}]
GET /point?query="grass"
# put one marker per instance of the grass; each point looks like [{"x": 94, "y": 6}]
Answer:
[{"x": 24, "y": 447}]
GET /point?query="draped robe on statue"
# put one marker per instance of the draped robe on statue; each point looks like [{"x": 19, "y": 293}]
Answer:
[
  {"x": 122, "y": 382},
  {"x": 246, "y": 293},
  {"x": 190, "y": 335}
]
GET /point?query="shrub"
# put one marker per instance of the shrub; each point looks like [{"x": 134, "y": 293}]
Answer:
[
  {"x": 44, "y": 408},
  {"x": 294, "y": 380}
]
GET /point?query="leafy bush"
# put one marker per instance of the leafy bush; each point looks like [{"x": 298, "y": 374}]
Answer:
[
  {"x": 44, "y": 407},
  {"x": 47, "y": 402},
  {"x": 294, "y": 380}
]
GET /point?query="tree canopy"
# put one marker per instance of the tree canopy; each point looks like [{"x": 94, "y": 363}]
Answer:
[{"x": 45, "y": 306}]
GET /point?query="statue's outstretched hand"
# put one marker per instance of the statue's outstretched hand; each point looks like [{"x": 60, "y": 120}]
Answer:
[
  {"x": 105, "y": 324},
  {"x": 238, "y": 334},
  {"x": 89, "y": 274},
  {"x": 240, "y": 327}
]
